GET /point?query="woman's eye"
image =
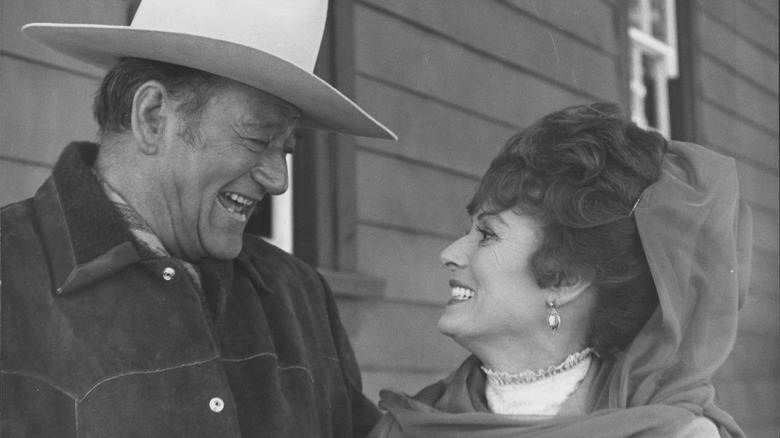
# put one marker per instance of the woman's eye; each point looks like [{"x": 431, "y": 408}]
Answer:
[{"x": 485, "y": 235}]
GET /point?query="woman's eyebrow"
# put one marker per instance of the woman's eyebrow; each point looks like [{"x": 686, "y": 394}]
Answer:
[{"x": 490, "y": 214}]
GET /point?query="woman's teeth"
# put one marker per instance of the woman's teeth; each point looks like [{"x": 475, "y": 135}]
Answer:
[{"x": 462, "y": 293}]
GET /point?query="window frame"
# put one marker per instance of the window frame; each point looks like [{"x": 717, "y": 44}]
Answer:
[{"x": 663, "y": 57}]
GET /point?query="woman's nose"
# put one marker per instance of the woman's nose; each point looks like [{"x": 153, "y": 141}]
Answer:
[
  {"x": 454, "y": 256},
  {"x": 271, "y": 173}
]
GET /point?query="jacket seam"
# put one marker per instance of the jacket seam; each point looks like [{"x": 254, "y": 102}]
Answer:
[
  {"x": 281, "y": 367},
  {"x": 132, "y": 373},
  {"x": 41, "y": 379}
]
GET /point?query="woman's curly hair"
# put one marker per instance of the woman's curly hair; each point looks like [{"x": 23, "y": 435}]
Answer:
[{"x": 580, "y": 171}]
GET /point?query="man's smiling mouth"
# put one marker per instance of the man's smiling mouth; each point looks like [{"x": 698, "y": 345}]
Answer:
[{"x": 236, "y": 204}]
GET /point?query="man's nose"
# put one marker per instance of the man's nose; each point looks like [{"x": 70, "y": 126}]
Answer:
[
  {"x": 455, "y": 257},
  {"x": 271, "y": 173}
]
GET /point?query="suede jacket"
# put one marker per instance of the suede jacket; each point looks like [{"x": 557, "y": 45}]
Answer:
[{"x": 102, "y": 339}]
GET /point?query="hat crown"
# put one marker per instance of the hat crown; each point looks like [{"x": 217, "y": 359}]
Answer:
[{"x": 289, "y": 29}]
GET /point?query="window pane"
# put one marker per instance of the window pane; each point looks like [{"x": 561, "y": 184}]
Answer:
[
  {"x": 648, "y": 67},
  {"x": 658, "y": 11},
  {"x": 260, "y": 221},
  {"x": 635, "y": 15}
]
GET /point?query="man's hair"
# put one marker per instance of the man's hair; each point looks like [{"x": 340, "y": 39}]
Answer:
[
  {"x": 580, "y": 171},
  {"x": 114, "y": 99}
]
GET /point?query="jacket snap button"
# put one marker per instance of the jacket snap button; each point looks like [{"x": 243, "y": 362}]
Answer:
[
  {"x": 216, "y": 404},
  {"x": 168, "y": 273}
]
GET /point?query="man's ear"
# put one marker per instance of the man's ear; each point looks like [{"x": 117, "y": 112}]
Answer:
[
  {"x": 569, "y": 289},
  {"x": 149, "y": 116}
]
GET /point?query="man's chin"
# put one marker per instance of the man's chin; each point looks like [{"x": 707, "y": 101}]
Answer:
[
  {"x": 227, "y": 248},
  {"x": 225, "y": 254}
]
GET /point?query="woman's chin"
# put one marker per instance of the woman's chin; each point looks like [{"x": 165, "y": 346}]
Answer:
[{"x": 449, "y": 326}]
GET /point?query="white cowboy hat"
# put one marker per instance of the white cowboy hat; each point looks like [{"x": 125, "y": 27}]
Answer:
[{"x": 268, "y": 44}]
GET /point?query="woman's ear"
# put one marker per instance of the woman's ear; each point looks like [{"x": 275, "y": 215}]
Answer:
[
  {"x": 148, "y": 116},
  {"x": 569, "y": 288}
]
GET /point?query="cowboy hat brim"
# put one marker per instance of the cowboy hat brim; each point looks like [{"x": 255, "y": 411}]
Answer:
[{"x": 323, "y": 106}]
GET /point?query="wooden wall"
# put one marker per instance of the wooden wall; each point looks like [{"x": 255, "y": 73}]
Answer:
[
  {"x": 454, "y": 79},
  {"x": 45, "y": 98},
  {"x": 736, "y": 99}
]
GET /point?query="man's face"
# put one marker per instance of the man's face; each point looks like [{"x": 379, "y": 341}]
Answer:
[{"x": 220, "y": 169}]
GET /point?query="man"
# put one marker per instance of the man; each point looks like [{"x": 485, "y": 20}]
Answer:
[{"x": 133, "y": 304}]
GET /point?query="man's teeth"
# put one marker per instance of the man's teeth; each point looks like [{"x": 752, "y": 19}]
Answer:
[
  {"x": 240, "y": 199},
  {"x": 462, "y": 293},
  {"x": 241, "y": 205}
]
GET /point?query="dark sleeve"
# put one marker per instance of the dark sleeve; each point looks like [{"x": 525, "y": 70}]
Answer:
[{"x": 364, "y": 413}]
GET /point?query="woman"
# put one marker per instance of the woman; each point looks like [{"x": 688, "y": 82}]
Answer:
[{"x": 597, "y": 288}]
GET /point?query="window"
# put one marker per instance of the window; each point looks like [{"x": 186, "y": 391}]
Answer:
[
  {"x": 653, "y": 49},
  {"x": 273, "y": 220}
]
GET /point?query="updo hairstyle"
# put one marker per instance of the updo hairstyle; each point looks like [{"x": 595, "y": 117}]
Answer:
[{"x": 579, "y": 172}]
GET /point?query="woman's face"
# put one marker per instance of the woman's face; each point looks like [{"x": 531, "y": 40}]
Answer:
[{"x": 496, "y": 303}]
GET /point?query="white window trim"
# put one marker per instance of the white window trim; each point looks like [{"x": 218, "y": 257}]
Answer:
[
  {"x": 282, "y": 215},
  {"x": 665, "y": 65}
]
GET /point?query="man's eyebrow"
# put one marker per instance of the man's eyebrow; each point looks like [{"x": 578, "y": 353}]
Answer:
[{"x": 276, "y": 127}]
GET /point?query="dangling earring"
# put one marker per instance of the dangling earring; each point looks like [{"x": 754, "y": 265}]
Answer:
[{"x": 553, "y": 318}]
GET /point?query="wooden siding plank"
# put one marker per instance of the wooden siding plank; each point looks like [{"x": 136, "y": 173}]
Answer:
[
  {"x": 759, "y": 316},
  {"x": 19, "y": 181},
  {"x": 734, "y": 137},
  {"x": 516, "y": 39},
  {"x": 765, "y": 278},
  {"x": 408, "y": 195},
  {"x": 759, "y": 28},
  {"x": 759, "y": 187},
  {"x": 591, "y": 20},
  {"x": 18, "y": 13},
  {"x": 43, "y": 110},
  {"x": 765, "y": 231},
  {"x": 393, "y": 335},
  {"x": 770, "y": 6},
  {"x": 720, "y": 86},
  {"x": 742, "y": 56},
  {"x": 752, "y": 401},
  {"x": 429, "y": 131},
  {"x": 409, "y": 57},
  {"x": 409, "y": 263},
  {"x": 752, "y": 357}
]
